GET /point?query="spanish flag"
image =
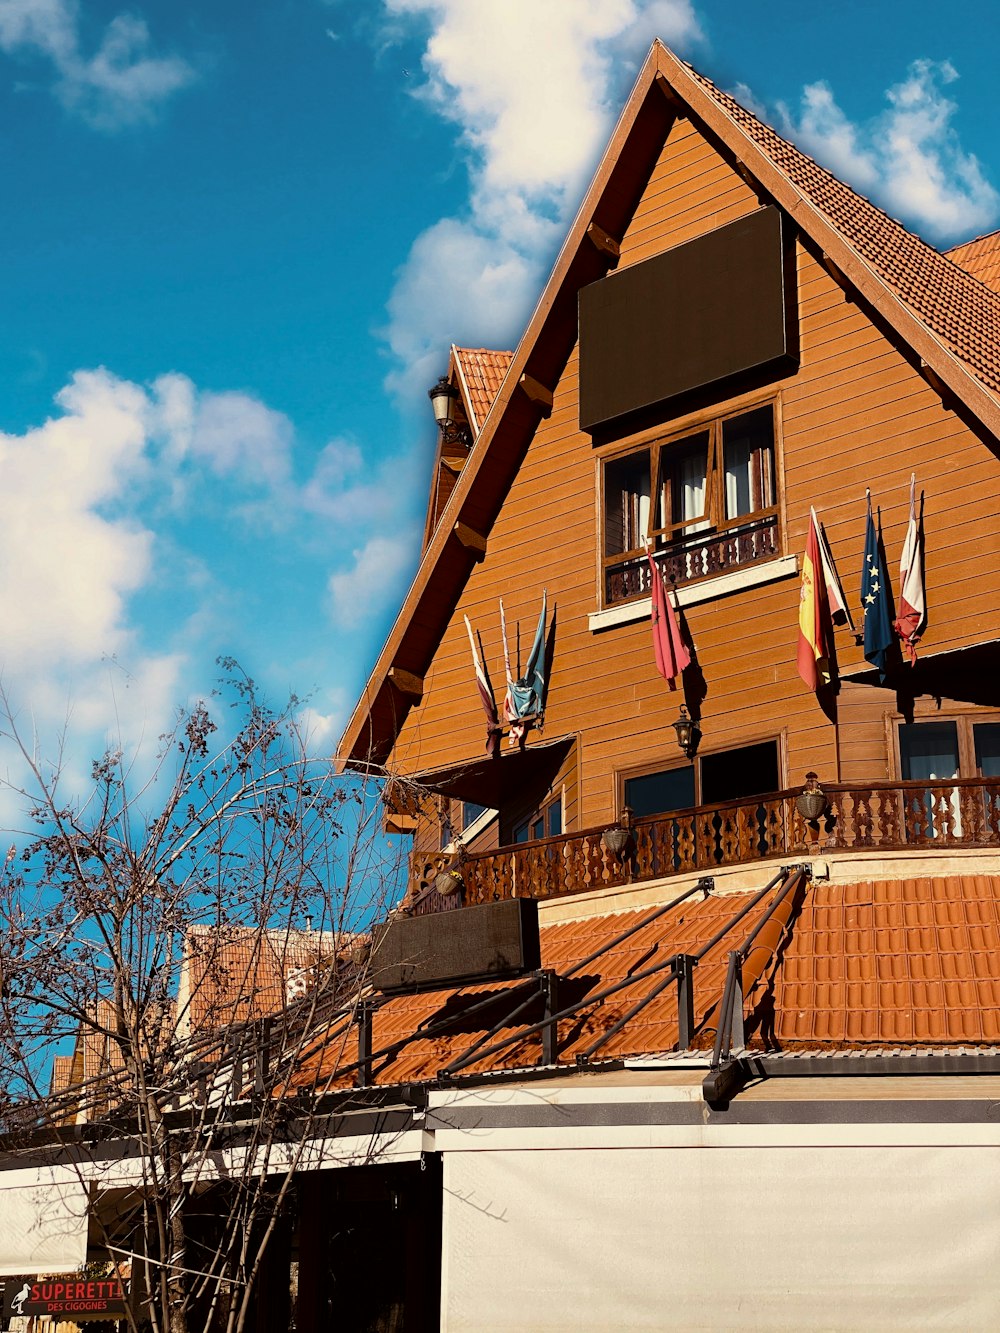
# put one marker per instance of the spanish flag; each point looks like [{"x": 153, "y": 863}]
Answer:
[{"x": 815, "y": 622}]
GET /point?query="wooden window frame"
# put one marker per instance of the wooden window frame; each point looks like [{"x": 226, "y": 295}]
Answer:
[
  {"x": 541, "y": 811},
  {"x": 779, "y": 740},
  {"x": 964, "y": 719},
  {"x": 717, "y": 525}
]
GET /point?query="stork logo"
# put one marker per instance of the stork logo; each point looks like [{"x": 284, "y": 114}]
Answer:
[{"x": 17, "y": 1303}]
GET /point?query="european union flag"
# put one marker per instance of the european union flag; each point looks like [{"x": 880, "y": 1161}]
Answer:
[{"x": 876, "y": 599}]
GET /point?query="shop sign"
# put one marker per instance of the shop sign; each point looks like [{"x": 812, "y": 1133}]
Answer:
[{"x": 73, "y": 1297}]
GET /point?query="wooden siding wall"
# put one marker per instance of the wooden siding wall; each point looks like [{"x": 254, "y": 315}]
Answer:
[{"x": 855, "y": 414}]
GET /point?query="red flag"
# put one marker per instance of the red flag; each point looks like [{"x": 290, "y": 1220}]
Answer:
[
  {"x": 671, "y": 652},
  {"x": 815, "y": 622},
  {"x": 912, "y": 615}
]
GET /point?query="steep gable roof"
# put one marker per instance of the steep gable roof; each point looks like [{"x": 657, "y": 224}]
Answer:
[
  {"x": 980, "y": 257},
  {"x": 949, "y": 320},
  {"x": 480, "y": 372},
  {"x": 948, "y": 300}
]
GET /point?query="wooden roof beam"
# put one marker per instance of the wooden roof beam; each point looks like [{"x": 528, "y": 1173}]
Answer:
[
  {"x": 536, "y": 393},
  {"x": 603, "y": 240},
  {"x": 937, "y": 384},
  {"x": 407, "y": 683},
  {"x": 471, "y": 539}
]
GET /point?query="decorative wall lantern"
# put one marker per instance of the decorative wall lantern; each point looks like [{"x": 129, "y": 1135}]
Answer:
[
  {"x": 444, "y": 400},
  {"x": 688, "y": 733},
  {"x": 811, "y": 802}
]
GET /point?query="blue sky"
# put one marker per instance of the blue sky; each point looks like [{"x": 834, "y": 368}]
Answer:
[{"x": 239, "y": 240}]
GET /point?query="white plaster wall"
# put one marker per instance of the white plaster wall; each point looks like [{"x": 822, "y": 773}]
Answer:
[{"x": 744, "y": 1238}]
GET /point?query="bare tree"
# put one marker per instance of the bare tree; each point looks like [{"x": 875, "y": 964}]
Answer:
[{"x": 174, "y": 940}]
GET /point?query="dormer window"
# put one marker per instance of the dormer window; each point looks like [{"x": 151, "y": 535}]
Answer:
[{"x": 705, "y": 500}]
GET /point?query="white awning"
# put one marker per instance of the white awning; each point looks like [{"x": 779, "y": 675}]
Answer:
[{"x": 43, "y": 1227}]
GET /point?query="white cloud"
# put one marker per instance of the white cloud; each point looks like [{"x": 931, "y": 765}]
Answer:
[
  {"x": 321, "y": 731},
  {"x": 233, "y": 434},
  {"x": 122, "y": 83},
  {"x": 373, "y": 581},
  {"x": 532, "y": 86},
  {"x": 909, "y": 159},
  {"x": 65, "y": 570}
]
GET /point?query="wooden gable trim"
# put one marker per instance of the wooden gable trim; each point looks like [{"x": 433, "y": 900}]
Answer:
[
  {"x": 457, "y": 371},
  {"x": 665, "y": 89},
  {"x": 541, "y": 354}
]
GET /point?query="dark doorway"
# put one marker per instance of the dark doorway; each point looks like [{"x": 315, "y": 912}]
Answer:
[{"x": 369, "y": 1249}]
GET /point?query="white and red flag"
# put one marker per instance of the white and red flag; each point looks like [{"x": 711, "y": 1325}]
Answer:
[
  {"x": 485, "y": 688},
  {"x": 836, "y": 601},
  {"x": 669, "y": 648},
  {"x": 911, "y": 616}
]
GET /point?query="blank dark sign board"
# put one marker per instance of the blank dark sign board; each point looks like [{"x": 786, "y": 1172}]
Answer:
[
  {"x": 488, "y": 942},
  {"x": 701, "y": 312}
]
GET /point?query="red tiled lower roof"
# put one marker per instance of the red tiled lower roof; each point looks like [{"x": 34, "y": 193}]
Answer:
[{"x": 888, "y": 962}]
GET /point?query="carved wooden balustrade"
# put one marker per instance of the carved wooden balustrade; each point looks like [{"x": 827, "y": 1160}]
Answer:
[
  {"x": 701, "y": 555},
  {"x": 887, "y": 816}
]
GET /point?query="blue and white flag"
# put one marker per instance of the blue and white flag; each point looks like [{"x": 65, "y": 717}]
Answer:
[{"x": 876, "y": 601}]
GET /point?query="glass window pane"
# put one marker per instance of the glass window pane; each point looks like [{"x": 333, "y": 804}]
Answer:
[
  {"x": 522, "y": 832},
  {"x": 928, "y": 751},
  {"x": 555, "y": 818},
  {"x": 748, "y": 462},
  {"x": 751, "y": 770},
  {"x": 538, "y": 828},
  {"x": 987, "y": 737},
  {"x": 626, "y": 502},
  {"x": 471, "y": 812},
  {"x": 653, "y": 793}
]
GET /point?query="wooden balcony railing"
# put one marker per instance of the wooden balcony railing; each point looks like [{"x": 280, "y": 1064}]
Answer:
[
  {"x": 702, "y": 555},
  {"x": 884, "y": 816}
]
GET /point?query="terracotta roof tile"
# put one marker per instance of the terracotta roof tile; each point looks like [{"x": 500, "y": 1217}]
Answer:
[
  {"x": 980, "y": 257},
  {"x": 841, "y": 982},
  {"x": 951, "y": 302},
  {"x": 482, "y": 373},
  {"x": 62, "y": 1072},
  {"x": 244, "y": 973}
]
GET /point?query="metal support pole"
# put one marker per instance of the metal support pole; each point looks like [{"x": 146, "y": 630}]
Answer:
[
  {"x": 363, "y": 1077},
  {"x": 263, "y": 1057},
  {"x": 549, "y": 980},
  {"x": 737, "y": 1036},
  {"x": 684, "y": 965}
]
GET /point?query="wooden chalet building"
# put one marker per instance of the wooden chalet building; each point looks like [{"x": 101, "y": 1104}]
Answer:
[
  {"x": 730, "y": 337},
  {"x": 668, "y": 1032}
]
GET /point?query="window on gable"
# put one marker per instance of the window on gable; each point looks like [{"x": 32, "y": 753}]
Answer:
[{"x": 706, "y": 501}]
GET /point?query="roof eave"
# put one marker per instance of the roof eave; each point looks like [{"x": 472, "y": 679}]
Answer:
[{"x": 364, "y": 744}]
